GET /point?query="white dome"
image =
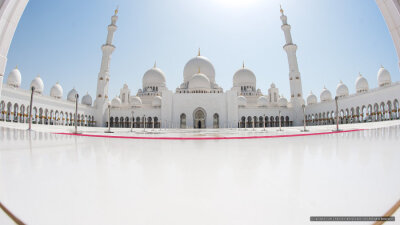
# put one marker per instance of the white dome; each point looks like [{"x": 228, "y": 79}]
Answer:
[
  {"x": 56, "y": 91},
  {"x": 311, "y": 99},
  {"x": 156, "y": 101},
  {"x": 72, "y": 95},
  {"x": 199, "y": 63},
  {"x": 116, "y": 102},
  {"x": 325, "y": 95},
  {"x": 361, "y": 84},
  {"x": 14, "y": 78},
  {"x": 384, "y": 77},
  {"x": 87, "y": 99},
  {"x": 199, "y": 81},
  {"x": 242, "y": 101},
  {"x": 342, "y": 90},
  {"x": 262, "y": 101},
  {"x": 38, "y": 84},
  {"x": 244, "y": 77},
  {"x": 282, "y": 102},
  {"x": 154, "y": 77},
  {"x": 135, "y": 101}
]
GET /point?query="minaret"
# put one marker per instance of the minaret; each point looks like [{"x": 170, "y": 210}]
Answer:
[
  {"x": 101, "y": 102},
  {"x": 296, "y": 91},
  {"x": 104, "y": 74}
]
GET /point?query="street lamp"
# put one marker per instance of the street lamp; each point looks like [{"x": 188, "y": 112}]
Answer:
[
  {"x": 30, "y": 108},
  {"x": 132, "y": 122},
  {"x": 280, "y": 121},
  {"x": 76, "y": 113},
  {"x": 264, "y": 121},
  {"x": 337, "y": 113},
  {"x": 109, "y": 118},
  {"x": 304, "y": 118},
  {"x": 144, "y": 123}
]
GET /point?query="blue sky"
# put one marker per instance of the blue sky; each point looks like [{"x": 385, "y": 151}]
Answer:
[{"x": 337, "y": 39}]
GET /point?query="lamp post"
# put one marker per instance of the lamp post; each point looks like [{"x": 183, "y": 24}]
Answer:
[
  {"x": 304, "y": 118},
  {"x": 109, "y": 118},
  {"x": 144, "y": 123},
  {"x": 280, "y": 121},
  {"x": 264, "y": 121},
  {"x": 30, "y": 109},
  {"x": 76, "y": 113},
  {"x": 337, "y": 113},
  {"x": 132, "y": 122}
]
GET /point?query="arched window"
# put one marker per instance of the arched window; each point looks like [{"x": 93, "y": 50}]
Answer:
[
  {"x": 216, "y": 121},
  {"x": 243, "y": 122},
  {"x": 249, "y": 121},
  {"x": 127, "y": 123},
  {"x": 137, "y": 125},
  {"x": 183, "y": 121},
  {"x": 156, "y": 123}
]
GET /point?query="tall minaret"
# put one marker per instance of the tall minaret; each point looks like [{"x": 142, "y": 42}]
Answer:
[
  {"x": 296, "y": 91},
  {"x": 101, "y": 102},
  {"x": 104, "y": 74}
]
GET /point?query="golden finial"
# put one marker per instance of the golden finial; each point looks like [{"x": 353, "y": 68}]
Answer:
[
  {"x": 243, "y": 64},
  {"x": 281, "y": 9},
  {"x": 381, "y": 66},
  {"x": 16, "y": 67},
  {"x": 198, "y": 53},
  {"x": 155, "y": 64},
  {"x": 116, "y": 10}
]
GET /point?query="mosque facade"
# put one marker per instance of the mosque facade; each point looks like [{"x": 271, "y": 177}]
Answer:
[{"x": 199, "y": 102}]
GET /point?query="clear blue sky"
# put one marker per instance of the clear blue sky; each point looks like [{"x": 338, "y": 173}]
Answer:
[{"x": 60, "y": 40}]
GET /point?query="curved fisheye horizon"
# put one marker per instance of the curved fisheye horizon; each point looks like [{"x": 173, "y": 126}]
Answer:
[{"x": 199, "y": 112}]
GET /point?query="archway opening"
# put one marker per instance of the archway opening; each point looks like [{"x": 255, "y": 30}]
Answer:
[{"x": 199, "y": 118}]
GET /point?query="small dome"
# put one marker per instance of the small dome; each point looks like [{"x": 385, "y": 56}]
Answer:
[
  {"x": 156, "y": 101},
  {"x": 56, "y": 91},
  {"x": 87, "y": 99},
  {"x": 154, "y": 77},
  {"x": 37, "y": 83},
  {"x": 282, "y": 102},
  {"x": 199, "y": 62},
  {"x": 244, "y": 77},
  {"x": 384, "y": 77},
  {"x": 342, "y": 90},
  {"x": 72, "y": 95},
  {"x": 273, "y": 85},
  {"x": 14, "y": 78},
  {"x": 242, "y": 101},
  {"x": 135, "y": 101},
  {"x": 361, "y": 84},
  {"x": 311, "y": 99},
  {"x": 199, "y": 81},
  {"x": 116, "y": 102},
  {"x": 262, "y": 101},
  {"x": 325, "y": 95}
]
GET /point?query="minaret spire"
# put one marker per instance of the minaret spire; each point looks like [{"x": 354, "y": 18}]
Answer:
[
  {"x": 294, "y": 73},
  {"x": 104, "y": 74}
]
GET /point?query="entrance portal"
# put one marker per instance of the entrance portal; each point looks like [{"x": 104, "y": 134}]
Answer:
[{"x": 199, "y": 118}]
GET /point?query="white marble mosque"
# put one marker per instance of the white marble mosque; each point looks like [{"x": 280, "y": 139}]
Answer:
[{"x": 199, "y": 102}]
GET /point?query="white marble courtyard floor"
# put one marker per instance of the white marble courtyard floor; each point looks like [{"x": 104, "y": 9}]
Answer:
[{"x": 48, "y": 178}]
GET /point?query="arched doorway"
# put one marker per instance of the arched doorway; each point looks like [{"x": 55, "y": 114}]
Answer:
[{"x": 199, "y": 118}]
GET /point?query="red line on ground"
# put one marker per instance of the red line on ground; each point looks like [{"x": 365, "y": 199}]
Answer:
[{"x": 208, "y": 138}]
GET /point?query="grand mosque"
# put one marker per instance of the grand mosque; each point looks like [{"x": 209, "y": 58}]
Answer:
[{"x": 199, "y": 102}]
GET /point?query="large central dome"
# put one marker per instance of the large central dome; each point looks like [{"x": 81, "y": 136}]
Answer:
[{"x": 199, "y": 63}]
